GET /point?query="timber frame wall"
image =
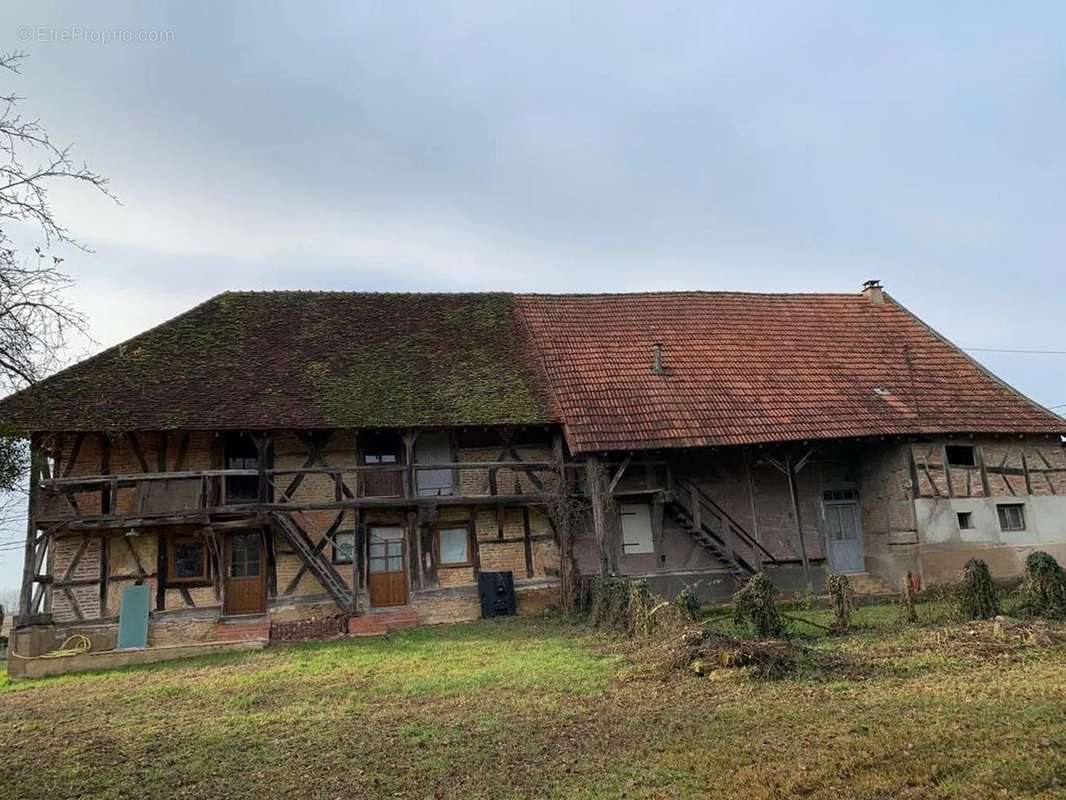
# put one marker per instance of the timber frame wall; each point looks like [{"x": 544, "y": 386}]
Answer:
[{"x": 89, "y": 489}]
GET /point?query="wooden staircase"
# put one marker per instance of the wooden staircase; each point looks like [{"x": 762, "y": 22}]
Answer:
[
  {"x": 317, "y": 564},
  {"x": 717, "y": 532}
]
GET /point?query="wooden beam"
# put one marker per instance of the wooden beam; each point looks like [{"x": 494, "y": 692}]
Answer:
[
  {"x": 619, "y": 473},
  {"x": 183, "y": 452},
  {"x": 161, "y": 452},
  {"x": 30, "y": 552},
  {"x": 528, "y": 541},
  {"x": 947, "y": 470},
  {"x": 594, "y": 489},
  {"x": 75, "y": 452},
  {"x": 985, "y": 487},
  {"x": 754, "y": 509},
  {"x": 793, "y": 492},
  {"x": 137, "y": 451},
  {"x": 105, "y": 571}
]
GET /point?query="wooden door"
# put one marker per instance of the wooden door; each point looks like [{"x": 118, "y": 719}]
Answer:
[
  {"x": 384, "y": 449},
  {"x": 387, "y": 567},
  {"x": 843, "y": 537},
  {"x": 245, "y": 580},
  {"x": 433, "y": 448}
]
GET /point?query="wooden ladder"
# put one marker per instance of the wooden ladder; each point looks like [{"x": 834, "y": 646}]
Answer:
[{"x": 314, "y": 560}]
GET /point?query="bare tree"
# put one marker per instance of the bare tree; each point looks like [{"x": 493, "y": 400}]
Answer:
[{"x": 35, "y": 321}]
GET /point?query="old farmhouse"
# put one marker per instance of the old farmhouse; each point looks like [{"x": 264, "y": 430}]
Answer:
[{"x": 289, "y": 464}]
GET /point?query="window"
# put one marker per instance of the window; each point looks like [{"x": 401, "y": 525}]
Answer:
[
  {"x": 241, "y": 453},
  {"x": 636, "y": 528},
  {"x": 454, "y": 546},
  {"x": 838, "y": 495},
  {"x": 343, "y": 547},
  {"x": 965, "y": 520},
  {"x": 382, "y": 449},
  {"x": 1011, "y": 517},
  {"x": 386, "y": 550},
  {"x": 961, "y": 455},
  {"x": 187, "y": 560}
]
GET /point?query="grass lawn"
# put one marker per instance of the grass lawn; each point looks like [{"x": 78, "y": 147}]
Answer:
[{"x": 544, "y": 708}]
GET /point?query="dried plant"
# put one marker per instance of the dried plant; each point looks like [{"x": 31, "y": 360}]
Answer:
[{"x": 977, "y": 596}]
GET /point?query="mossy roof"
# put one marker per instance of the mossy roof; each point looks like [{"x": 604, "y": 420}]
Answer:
[{"x": 302, "y": 360}]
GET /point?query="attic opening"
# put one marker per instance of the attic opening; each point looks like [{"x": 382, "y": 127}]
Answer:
[
  {"x": 241, "y": 453},
  {"x": 961, "y": 455}
]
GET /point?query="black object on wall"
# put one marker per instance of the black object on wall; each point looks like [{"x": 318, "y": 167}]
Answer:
[{"x": 497, "y": 593}]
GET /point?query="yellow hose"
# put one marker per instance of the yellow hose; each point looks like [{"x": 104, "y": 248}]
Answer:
[{"x": 75, "y": 645}]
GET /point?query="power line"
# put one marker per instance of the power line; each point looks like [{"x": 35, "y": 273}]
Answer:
[{"x": 1007, "y": 350}]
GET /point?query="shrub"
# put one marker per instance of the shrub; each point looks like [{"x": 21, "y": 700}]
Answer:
[
  {"x": 754, "y": 608},
  {"x": 688, "y": 604},
  {"x": 839, "y": 589},
  {"x": 977, "y": 596},
  {"x": 1044, "y": 587}
]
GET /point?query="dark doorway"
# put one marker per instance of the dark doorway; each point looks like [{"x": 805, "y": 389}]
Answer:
[
  {"x": 384, "y": 449},
  {"x": 241, "y": 453}
]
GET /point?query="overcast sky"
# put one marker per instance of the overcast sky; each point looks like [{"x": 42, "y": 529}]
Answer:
[{"x": 771, "y": 146}]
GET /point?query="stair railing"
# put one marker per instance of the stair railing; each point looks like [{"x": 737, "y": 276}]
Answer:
[{"x": 731, "y": 532}]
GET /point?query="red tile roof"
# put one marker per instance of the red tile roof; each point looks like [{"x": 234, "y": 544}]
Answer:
[{"x": 759, "y": 368}]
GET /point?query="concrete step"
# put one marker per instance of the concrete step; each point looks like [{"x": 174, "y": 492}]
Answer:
[{"x": 376, "y": 623}]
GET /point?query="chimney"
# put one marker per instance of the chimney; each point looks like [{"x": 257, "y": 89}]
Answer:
[
  {"x": 657, "y": 358},
  {"x": 873, "y": 292}
]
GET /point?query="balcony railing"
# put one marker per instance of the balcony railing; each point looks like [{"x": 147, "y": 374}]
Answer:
[{"x": 202, "y": 492}]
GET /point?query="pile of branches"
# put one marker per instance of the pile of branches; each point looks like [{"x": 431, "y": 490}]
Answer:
[
  {"x": 983, "y": 638},
  {"x": 701, "y": 650},
  {"x": 629, "y": 607},
  {"x": 754, "y": 608}
]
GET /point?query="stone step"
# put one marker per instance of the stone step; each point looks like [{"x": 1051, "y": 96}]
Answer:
[
  {"x": 241, "y": 630},
  {"x": 377, "y": 623}
]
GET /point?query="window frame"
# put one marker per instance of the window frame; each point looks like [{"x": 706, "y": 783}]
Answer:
[
  {"x": 1003, "y": 509},
  {"x": 959, "y": 515},
  {"x": 460, "y": 525},
  {"x": 173, "y": 542},
  {"x": 337, "y": 558},
  {"x": 949, "y": 449}
]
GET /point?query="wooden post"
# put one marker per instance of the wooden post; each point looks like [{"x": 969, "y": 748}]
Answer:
[
  {"x": 108, "y": 494},
  {"x": 790, "y": 471},
  {"x": 527, "y": 539},
  {"x": 985, "y": 487},
  {"x": 29, "y": 564},
  {"x": 357, "y": 557},
  {"x": 754, "y": 510},
  {"x": 409, "y": 438},
  {"x": 594, "y": 487}
]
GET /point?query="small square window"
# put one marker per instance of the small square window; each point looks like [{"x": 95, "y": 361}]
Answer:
[
  {"x": 343, "y": 547},
  {"x": 454, "y": 546},
  {"x": 187, "y": 560},
  {"x": 1011, "y": 517},
  {"x": 965, "y": 520},
  {"x": 961, "y": 455}
]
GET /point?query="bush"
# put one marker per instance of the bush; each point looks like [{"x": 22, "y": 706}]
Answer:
[
  {"x": 628, "y": 606},
  {"x": 688, "y": 604},
  {"x": 1043, "y": 589},
  {"x": 754, "y": 608},
  {"x": 977, "y": 596},
  {"x": 839, "y": 589}
]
